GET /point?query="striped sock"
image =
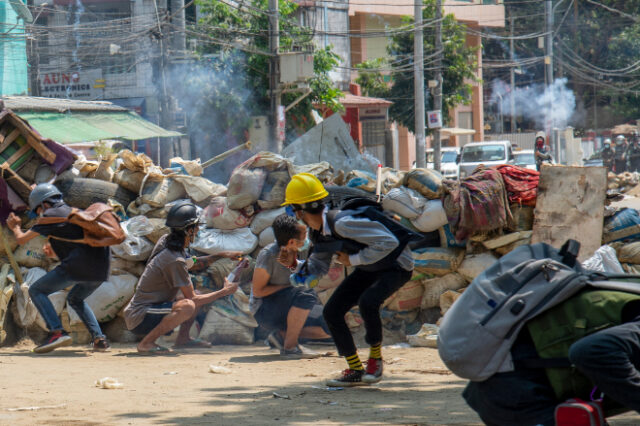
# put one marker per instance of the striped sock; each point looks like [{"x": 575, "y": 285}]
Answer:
[
  {"x": 376, "y": 351},
  {"x": 354, "y": 362}
]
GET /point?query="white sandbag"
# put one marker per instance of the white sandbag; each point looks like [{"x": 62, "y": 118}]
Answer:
[
  {"x": 137, "y": 226},
  {"x": 159, "y": 229},
  {"x": 200, "y": 189},
  {"x": 627, "y": 253},
  {"x": 133, "y": 248},
  {"x": 222, "y": 330},
  {"x": 245, "y": 187},
  {"x": 406, "y": 298},
  {"x": 32, "y": 253},
  {"x": 427, "y": 337},
  {"x": 404, "y": 201},
  {"x": 434, "y": 288},
  {"x": 447, "y": 299},
  {"x": 216, "y": 241},
  {"x": 332, "y": 279},
  {"x": 107, "y": 300},
  {"x": 273, "y": 191},
  {"x": 219, "y": 215},
  {"x": 121, "y": 266},
  {"x": 27, "y": 312},
  {"x": 236, "y": 307},
  {"x": 266, "y": 237},
  {"x": 473, "y": 265},
  {"x": 157, "y": 194},
  {"x": 265, "y": 219},
  {"x": 432, "y": 217},
  {"x": 604, "y": 260}
]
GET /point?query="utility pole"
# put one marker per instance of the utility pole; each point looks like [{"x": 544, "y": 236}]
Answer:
[
  {"x": 418, "y": 85},
  {"x": 275, "y": 144},
  {"x": 548, "y": 60},
  {"x": 512, "y": 98},
  {"x": 437, "y": 97}
]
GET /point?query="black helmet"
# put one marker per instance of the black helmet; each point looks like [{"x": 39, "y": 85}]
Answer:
[
  {"x": 42, "y": 193},
  {"x": 181, "y": 215}
]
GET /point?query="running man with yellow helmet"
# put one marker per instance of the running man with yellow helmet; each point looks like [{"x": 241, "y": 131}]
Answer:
[{"x": 382, "y": 261}]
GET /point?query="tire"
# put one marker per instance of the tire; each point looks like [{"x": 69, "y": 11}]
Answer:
[{"x": 81, "y": 193}]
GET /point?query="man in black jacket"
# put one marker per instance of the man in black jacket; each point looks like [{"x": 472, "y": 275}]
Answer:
[{"x": 82, "y": 266}]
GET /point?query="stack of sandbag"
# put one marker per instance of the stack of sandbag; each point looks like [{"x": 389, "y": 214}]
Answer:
[{"x": 622, "y": 182}]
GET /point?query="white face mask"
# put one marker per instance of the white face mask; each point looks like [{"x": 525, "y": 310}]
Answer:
[
  {"x": 306, "y": 245},
  {"x": 190, "y": 261}
]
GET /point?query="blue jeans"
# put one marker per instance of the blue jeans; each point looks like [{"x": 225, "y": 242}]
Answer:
[{"x": 56, "y": 280}]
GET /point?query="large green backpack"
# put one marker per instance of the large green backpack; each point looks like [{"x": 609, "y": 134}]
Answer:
[{"x": 555, "y": 330}]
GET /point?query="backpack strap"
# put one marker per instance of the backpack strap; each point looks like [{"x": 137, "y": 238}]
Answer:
[
  {"x": 569, "y": 252},
  {"x": 54, "y": 220}
]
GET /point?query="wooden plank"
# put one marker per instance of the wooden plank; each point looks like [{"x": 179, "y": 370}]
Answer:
[
  {"x": 16, "y": 155},
  {"x": 9, "y": 139},
  {"x": 33, "y": 140},
  {"x": 570, "y": 204},
  {"x": 24, "y": 188}
]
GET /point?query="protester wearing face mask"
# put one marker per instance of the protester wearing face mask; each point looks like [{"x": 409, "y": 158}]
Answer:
[
  {"x": 291, "y": 312},
  {"x": 154, "y": 309}
]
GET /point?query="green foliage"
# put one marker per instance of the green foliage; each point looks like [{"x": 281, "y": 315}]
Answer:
[
  {"x": 458, "y": 67},
  {"x": 371, "y": 80},
  {"x": 244, "y": 32}
]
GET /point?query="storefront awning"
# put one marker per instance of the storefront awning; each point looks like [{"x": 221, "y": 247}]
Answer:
[{"x": 85, "y": 126}]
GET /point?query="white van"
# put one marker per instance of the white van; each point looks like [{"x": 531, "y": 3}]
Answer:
[
  {"x": 489, "y": 153},
  {"x": 448, "y": 158}
]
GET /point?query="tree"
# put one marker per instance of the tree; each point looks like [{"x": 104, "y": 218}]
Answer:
[
  {"x": 458, "y": 68},
  {"x": 242, "y": 31}
]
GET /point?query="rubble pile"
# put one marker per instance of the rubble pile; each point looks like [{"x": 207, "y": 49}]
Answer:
[{"x": 466, "y": 225}]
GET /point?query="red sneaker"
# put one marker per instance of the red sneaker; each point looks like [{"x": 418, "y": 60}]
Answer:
[
  {"x": 373, "y": 373},
  {"x": 55, "y": 339}
]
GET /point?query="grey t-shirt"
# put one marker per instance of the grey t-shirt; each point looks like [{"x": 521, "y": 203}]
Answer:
[
  {"x": 278, "y": 274},
  {"x": 163, "y": 276}
]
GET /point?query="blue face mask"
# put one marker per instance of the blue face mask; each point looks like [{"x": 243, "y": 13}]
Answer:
[{"x": 32, "y": 215}]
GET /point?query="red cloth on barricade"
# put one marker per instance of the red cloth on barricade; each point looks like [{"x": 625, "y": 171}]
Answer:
[{"x": 521, "y": 184}]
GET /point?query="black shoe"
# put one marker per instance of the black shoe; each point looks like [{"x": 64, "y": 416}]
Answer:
[
  {"x": 55, "y": 339},
  {"x": 347, "y": 378},
  {"x": 299, "y": 352},
  {"x": 101, "y": 344}
]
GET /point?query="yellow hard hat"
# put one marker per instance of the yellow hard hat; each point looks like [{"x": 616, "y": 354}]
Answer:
[{"x": 304, "y": 188}]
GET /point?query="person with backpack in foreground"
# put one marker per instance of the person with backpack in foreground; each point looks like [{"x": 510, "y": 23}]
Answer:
[
  {"x": 154, "y": 310},
  {"x": 542, "y": 339},
  {"x": 81, "y": 265},
  {"x": 383, "y": 263}
]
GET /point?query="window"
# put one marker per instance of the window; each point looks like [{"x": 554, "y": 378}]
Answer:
[
  {"x": 449, "y": 156},
  {"x": 479, "y": 153}
]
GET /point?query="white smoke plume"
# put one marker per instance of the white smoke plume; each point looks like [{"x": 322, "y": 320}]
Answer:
[{"x": 548, "y": 107}]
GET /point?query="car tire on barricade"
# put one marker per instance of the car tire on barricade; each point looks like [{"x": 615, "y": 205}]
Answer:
[{"x": 81, "y": 192}]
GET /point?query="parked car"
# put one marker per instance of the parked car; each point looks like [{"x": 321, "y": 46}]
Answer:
[
  {"x": 525, "y": 158},
  {"x": 489, "y": 153},
  {"x": 448, "y": 165}
]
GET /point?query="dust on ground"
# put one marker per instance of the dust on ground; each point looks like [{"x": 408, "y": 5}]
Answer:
[{"x": 179, "y": 389}]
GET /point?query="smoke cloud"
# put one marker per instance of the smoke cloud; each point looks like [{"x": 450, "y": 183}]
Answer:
[
  {"x": 214, "y": 95},
  {"x": 548, "y": 107}
]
